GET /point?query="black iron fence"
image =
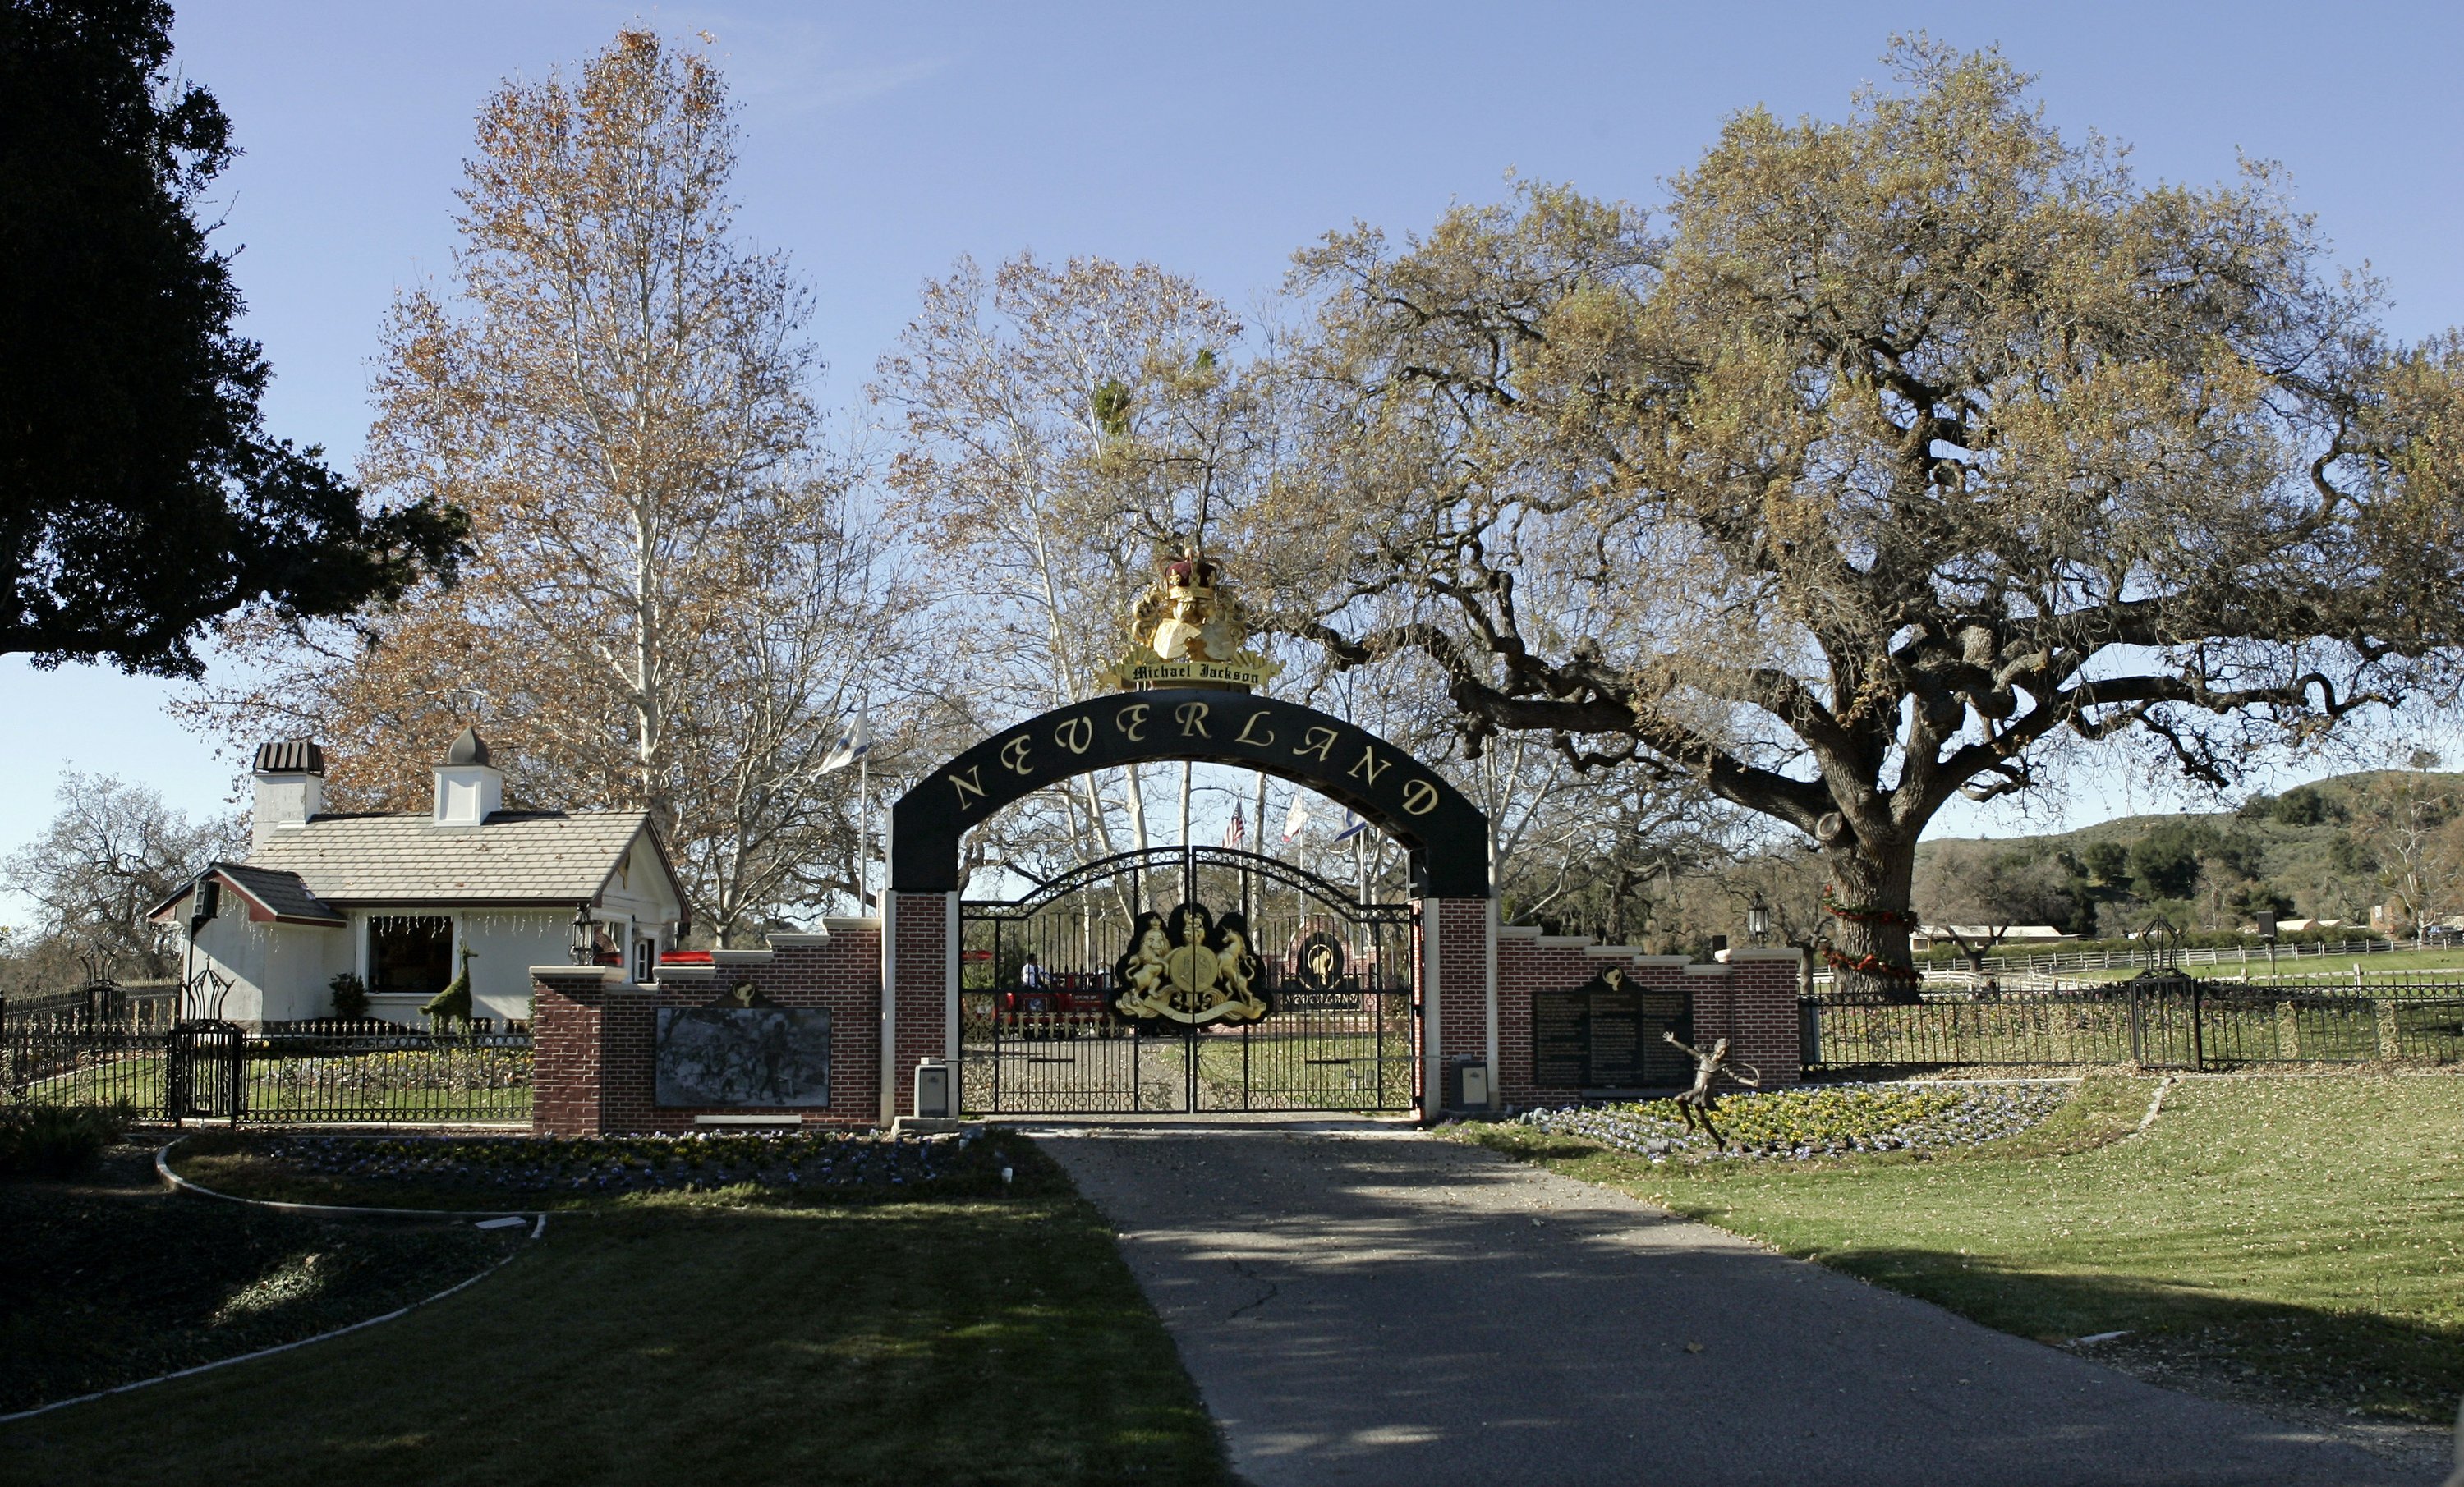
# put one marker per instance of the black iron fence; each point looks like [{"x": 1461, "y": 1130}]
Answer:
[
  {"x": 2156, "y": 1022},
  {"x": 371, "y": 1071},
  {"x": 150, "y": 1004}
]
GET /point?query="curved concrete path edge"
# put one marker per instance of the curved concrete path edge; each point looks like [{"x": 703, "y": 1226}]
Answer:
[{"x": 1362, "y": 1304}]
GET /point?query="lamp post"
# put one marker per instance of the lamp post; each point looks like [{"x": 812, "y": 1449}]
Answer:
[
  {"x": 1757, "y": 920},
  {"x": 2267, "y": 932},
  {"x": 584, "y": 952}
]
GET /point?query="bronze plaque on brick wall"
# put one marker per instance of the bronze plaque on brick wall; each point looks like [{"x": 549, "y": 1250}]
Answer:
[
  {"x": 1606, "y": 1034},
  {"x": 770, "y": 1058}
]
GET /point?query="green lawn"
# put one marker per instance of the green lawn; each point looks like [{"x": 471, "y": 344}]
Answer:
[
  {"x": 2311, "y": 1230},
  {"x": 688, "y": 1339}
]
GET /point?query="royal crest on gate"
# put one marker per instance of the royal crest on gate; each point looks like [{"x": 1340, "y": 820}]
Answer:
[{"x": 1189, "y": 966}]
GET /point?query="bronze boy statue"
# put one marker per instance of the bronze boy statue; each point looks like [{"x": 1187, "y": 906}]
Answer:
[{"x": 1697, "y": 1103}]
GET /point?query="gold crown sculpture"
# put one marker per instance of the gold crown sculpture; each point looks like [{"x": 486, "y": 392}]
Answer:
[{"x": 1186, "y": 630}]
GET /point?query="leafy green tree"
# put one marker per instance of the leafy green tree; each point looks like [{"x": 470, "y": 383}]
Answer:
[
  {"x": 2302, "y": 806},
  {"x": 1918, "y": 448},
  {"x": 2164, "y": 863},
  {"x": 140, "y": 498},
  {"x": 2107, "y": 862}
]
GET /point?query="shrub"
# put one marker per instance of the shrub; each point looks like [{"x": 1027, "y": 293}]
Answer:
[
  {"x": 350, "y": 997},
  {"x": 55, "y": 1140}
]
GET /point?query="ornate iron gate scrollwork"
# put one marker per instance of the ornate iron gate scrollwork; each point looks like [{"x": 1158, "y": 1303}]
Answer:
[
  {"x": 205, "y": 1075},
  {"x": 1186, "y": 979}
]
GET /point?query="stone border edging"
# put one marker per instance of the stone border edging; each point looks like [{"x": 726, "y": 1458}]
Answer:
[
  {"x": 180, "y": 1184},
  {"x": 2154, "y": 1104}
]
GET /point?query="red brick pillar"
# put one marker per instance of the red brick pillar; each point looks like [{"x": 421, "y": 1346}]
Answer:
[
  {"x": 1753, "y": 1006},
  {"x": 1458, "y": 996},
  {"x": 569, "y": 1020},
  {"x": 919, "y": 990}
]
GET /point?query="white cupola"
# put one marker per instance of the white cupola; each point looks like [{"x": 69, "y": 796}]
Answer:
[
  {"x": 290, "y": 778},
  {"x": 469, "y": 790}
]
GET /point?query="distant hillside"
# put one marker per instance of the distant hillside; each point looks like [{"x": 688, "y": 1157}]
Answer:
[{"x": 2299, "y": 847}]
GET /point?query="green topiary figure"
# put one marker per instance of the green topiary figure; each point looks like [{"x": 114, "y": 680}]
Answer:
[{"x": 452, "y": 1004}]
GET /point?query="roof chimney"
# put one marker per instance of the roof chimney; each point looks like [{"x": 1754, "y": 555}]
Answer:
[
  {"x": 469, "y": 789},
  {"x": 289, "y": 789}
]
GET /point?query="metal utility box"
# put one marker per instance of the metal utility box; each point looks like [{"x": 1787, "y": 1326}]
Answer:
[{"x": 932, "y": 1094}]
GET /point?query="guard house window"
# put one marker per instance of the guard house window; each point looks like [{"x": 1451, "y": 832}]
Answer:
[
  {"x": 646, "y": 961},
  {"x": 411, "y": 953}
]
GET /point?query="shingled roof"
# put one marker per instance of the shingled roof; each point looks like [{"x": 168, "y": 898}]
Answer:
[
  {"x": 281, "y": 896},
  {"x": 515, "y": 858}
]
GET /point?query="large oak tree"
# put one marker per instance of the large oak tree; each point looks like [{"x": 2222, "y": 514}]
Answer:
[
  {"x": 1913, "y": 447},
  {"x": 141, "y": 498}
]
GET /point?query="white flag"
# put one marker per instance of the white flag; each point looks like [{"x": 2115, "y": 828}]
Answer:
[
  {"x": 1297, "y": 816},
  {"x": 1353, "y": 827},
  {"x": 853, "y": 744}
]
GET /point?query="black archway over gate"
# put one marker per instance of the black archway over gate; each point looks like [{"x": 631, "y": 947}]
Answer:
[{"x": 1446, "y": 835}]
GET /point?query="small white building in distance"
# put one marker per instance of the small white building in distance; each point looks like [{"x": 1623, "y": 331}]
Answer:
[{"x": 399, "y": 899}]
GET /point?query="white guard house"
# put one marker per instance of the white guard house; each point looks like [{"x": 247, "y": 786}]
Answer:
[{"x": 398, "y": 899}]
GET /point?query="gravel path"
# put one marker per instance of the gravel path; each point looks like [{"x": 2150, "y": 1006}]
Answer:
[{"x": 1365, "y": 1304}]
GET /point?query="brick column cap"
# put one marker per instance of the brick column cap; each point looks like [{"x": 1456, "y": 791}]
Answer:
[
  {"x": 1788, "y": 952},
  {"x": 578, "y": 972},
  {"x": 850, "y": 924},
  {"x": 1701, "y": 970},
  {"x": 668, "y": 973},
  {"x": 1518, "y": 931},
  {"x": 741, "y": 957},
  {"x": 781, "y": 939}
]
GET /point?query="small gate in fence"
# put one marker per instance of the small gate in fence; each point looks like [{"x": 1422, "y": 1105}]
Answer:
[{"x": 203, "y": 1070}]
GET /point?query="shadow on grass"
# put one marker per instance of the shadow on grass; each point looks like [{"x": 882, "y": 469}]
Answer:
[
  {"x": 110, "y": 1278},
  {"x": 2345, "y": 1360},
  {"x": 961, "y": 1340}
]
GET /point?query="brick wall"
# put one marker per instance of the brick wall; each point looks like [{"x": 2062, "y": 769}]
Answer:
[
  {"x": 1751, "y": 1000},
  {"x": 1756, "y": 1012},
  {"x": 921, "y": 921},
  {"x": 1462, "y": 991},
  {"x": 592, "y": 1038},
  {"x": 564, "y": 1052}
]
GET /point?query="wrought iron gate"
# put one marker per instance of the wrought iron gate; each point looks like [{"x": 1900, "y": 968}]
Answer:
[
  {"x": 203, "y": 1070},
  {"x": 1039, "y": 1029}
]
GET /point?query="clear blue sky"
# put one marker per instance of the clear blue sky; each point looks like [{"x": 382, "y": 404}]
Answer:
[{"x": 881, "y": 142}]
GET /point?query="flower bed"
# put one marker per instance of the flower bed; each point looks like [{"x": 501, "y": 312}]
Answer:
[
  {"x": 697, "y": 1163},
  {"x": 1829, "y": 1120}
]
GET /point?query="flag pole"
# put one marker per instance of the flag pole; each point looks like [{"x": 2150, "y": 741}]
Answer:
[{"x": 864, "y": 808}]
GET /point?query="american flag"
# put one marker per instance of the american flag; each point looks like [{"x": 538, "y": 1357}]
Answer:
[{"x": 1238, "y": 831}]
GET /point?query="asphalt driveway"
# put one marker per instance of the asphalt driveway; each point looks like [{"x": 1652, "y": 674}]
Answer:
[{"x": 1365, "y": 1304}]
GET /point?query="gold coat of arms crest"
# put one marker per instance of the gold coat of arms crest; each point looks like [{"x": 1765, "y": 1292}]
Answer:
[{"x": 1190, "y": 966}]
